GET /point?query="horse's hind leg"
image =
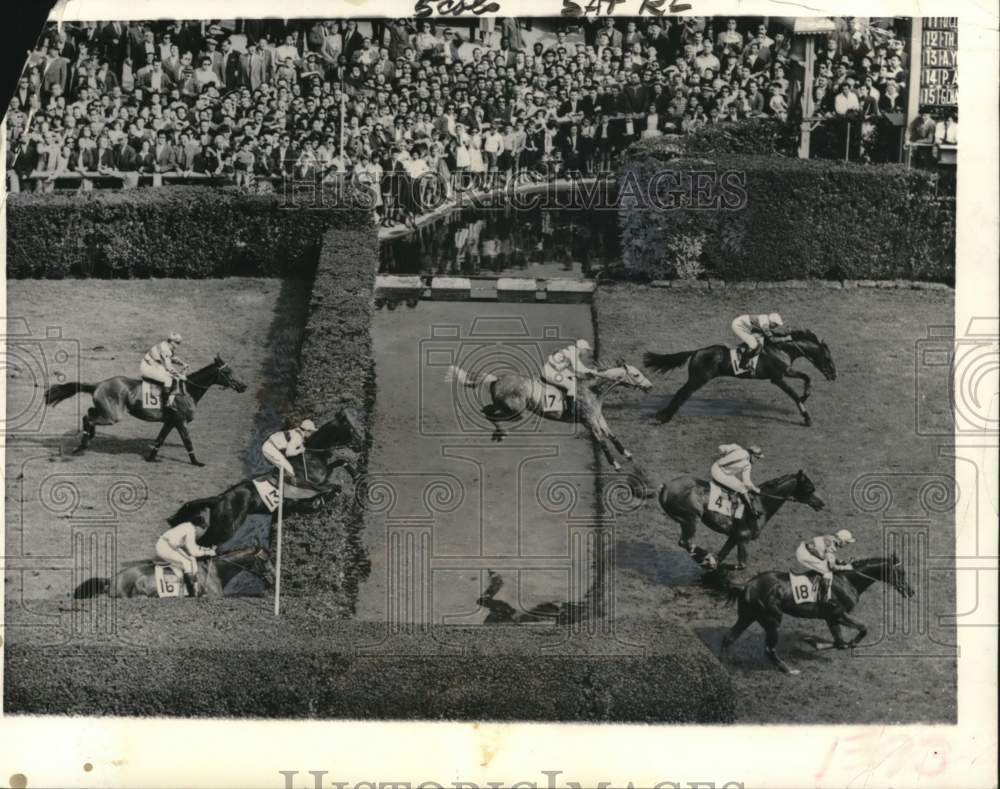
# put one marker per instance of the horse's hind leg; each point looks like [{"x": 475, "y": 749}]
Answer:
[
  {"x": 742, "y": 623},
  {"x": 784, "y": 386},
  {"x": 679, "y": 398},
  {"x": 160, "y": 438},
  {"x": 91, "y": 419},
  {"x": 771, "y": 641},
  {"x": 695, "y": 551}
]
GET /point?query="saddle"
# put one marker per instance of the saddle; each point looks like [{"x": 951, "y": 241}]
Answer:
[
  {"x": 725, "y": 501},
  {"x": 734, "y": 358}
]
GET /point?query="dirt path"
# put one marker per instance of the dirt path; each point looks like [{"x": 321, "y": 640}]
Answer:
[
  {"x": 447, "y": 504},
  {"x": 62, "y": 510}
]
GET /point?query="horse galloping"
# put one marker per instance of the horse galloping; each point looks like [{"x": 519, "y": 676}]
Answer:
[
  {"x": 115, "y": 397},
  {"x": 513, "y": 394},
  {"x": 774, "y": 364},
  {"x": 768, "y": 596},
  {"x": 685, "y": 500}
]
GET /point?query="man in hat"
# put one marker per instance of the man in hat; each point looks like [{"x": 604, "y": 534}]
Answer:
[
  {"x": 820, "y": 555},
  {"x": 288, "y": 444}
]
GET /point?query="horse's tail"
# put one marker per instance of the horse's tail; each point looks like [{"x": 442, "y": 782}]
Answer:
[
  {"x": 92, "y": 587},
  {"x": 191, "y": 508},
  {"x": 665, "y": 362},
  {"x": 456, "y": 373},
  {"x": 56, "y": 394}
]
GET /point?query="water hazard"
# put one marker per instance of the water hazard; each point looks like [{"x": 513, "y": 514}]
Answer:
[{"x": 505, "y": 242}]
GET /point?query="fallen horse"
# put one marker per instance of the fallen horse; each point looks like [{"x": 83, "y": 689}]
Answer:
[
  {"x": 149, "y": 578},
  {"x": 314, "y": 481}
]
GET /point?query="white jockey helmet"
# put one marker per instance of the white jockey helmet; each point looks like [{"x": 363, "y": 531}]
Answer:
[
  {"x": 775, "y": 319},
  {"x": 307, "y": 426},
  {"x": 174, "y": 337},
  {"x": 844, "y": 536},
  {"x": 583, "y": 345},
  {"x": 755, "y": 450}
]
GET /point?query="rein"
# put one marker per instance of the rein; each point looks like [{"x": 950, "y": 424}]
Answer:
[{"x": 222, "y": 558}]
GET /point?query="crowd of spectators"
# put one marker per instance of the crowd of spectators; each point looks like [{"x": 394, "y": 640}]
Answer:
[{"x": 112, "y": 103}]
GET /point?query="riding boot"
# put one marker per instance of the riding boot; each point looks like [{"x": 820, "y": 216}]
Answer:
[
  {"x": 151, "y": 457},
  {"x": 569, "y": 410},
  {"x": 171, "y": 394},
  {"x": 191, "y": 584},
  {"x": 826, "y": 587},
  {"x": 750, "y": 515}
]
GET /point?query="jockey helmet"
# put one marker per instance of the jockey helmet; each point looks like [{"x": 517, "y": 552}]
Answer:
[
  {"x": 775, "y": 319},
  {"x": 583, "y": 345},
  {"x": 307, "y": 426},
  {"x": 755, "y": 450},
  {"x": 844, "y": 536},
  {"x": 174, "y": 337}
]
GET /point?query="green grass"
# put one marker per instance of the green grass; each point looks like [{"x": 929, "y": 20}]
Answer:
[{"x": 863, "y": 425}]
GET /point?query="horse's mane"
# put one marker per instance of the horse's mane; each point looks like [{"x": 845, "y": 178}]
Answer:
[
  {"x": 777, "y": 481},
  {"x": 805, "y": 335},
  {"x": 874, "y": 561}
]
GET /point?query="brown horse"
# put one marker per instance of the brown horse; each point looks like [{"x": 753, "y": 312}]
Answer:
[
  {"x": 774, "y": 365},
  {"x": 768, "y": 596},
  {"x": 314, "y": 481},
  {"x": 118, "y": 396},
  {"x": 685, "y": 500},
  {"x": 138, "y": 579},
  {"x": 513, "y": 395}
]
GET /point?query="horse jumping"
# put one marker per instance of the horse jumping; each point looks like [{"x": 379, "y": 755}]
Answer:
[
  {"x": 768, "y": 596},
  {"x": 685, "y": 500},
  {"x": 513, "y": 394},
  {"x": 774, "y": 365},
  {"x": 118, "y": 396}
]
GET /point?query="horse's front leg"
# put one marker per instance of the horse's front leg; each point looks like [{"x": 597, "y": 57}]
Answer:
[
  {"x": 849, "y": 621},
  {"x": 807, "y": 381},
  {"x": 785, "y": 387},
  {"x": 160, "y": 438},
  {"x": 614, "y": 439},
  {"x": 186, "y": 438},
  {"x": 601, "y": 439}
]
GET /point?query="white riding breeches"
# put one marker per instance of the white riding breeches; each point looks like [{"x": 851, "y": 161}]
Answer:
[
  {"x": 156, "y": 372},
  {"x": 728, "y": 480},
  {"x": 808, "y": 560},
  {"x": 277, "y": 457},
  {"x": 746, "y": 334},
  {"x": 564, "y": 378},
  {"x": 177, "y": 559}
]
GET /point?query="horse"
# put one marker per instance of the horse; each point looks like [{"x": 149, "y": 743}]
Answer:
[
  {"x": 769, "y": 595},
  {"x": 504, "y": 613},
  {"x": 685, "y": 499},
  {"x": 774, "y": 364},
  {"x": 314, "y": 468},
  {"x": 513, "y": 394},
  {"x": 115, "y": 397},
  {"x": 138, "y": 579}
]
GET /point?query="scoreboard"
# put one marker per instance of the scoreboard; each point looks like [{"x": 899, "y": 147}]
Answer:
[{"x": 939, "y": 61}]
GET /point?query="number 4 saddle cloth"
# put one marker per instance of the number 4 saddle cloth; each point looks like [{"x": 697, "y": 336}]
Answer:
[{"x": 724, "y": 501}]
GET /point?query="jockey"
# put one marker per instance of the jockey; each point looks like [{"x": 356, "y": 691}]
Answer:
[
  {"x": 287, "y": 444},
  {"x": 749, "y": 327},
  {"x": 161, "y": 364},
  {"x": 732, "y": 471},
  {"x": 562, "y": 368},
  {"x": 179, "y": 547},
  {"x": 820, "y": 554}
]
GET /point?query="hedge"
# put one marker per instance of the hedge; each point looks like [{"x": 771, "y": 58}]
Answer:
[
  {"x": 175, "y": 231},
  {"x": 789, "y": 219},
  {"x": 322, "y": 550}
]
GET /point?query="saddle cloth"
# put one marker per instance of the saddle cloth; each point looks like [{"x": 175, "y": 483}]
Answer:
[
  {"x": 553, "y": 400},
  {"x": 805, "y": 588},
  {"x": 152, "y": 395},
  {"x": 734, "y": 359},
  {"x": 268, "y": 493},
  {"x": 167, "y": 582},
  {"x": 724, "y": 501}
]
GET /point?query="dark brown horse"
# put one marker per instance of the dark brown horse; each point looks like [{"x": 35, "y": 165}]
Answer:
[
  {"x": 314, "y": 480},
  {"x": 768, "y": 596},
  {"x": 118, "y": 396},
  {"x": 774, "y": 365},
  {"x": 138, "y": 579},
  {"x": 685, "y": 500}
]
